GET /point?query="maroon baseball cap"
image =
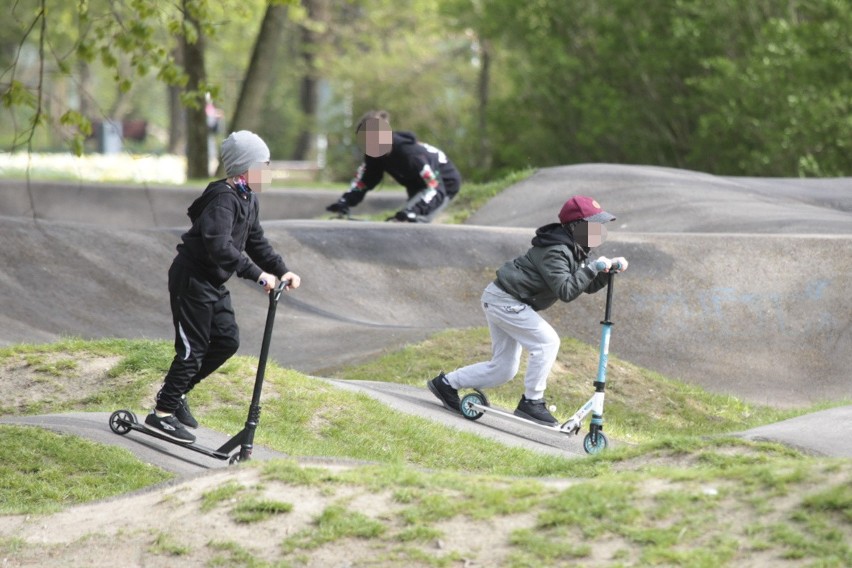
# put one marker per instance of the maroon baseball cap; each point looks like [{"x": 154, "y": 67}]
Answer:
[{"x": 583, "y": 208}]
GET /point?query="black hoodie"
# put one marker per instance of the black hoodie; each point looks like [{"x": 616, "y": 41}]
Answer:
[
  {"x": 225, "y": 223},
  {"x": 553, "y": 269},
  {"x": 404, "y": 163}
]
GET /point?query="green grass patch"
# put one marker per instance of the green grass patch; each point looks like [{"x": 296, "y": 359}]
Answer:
[
  {"x": 253, "y": 510},
  {"x": 474, "y": 195},
  {"x": 43, "y": 471},
  {"x": 229, "y": 554},
  {"x": 695, "y": 499},
  {"x": 835, "y": 500},
  {"x": 333, "y": 524},
  {"x": 225, "y": 492},
  {"x": 641, "y": 405},
  {"x": 166, "y": 545}
]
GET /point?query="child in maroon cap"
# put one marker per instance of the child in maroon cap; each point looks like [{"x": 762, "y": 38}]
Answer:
[{"x": 556, "y": 267}]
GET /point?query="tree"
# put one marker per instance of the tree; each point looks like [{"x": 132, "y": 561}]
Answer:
[
  {"x": 129, "y": 39},
  {"x": 782, "y": 107},
  {"x": 313, "y": 32},
  {"x": 248, "y": 112},
  {"x": 192, "y": 49},
  {"x": 407, "y": 61}
]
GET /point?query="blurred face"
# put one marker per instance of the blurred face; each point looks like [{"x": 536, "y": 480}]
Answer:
[
  {"x": 375, "y": 137},
  {"x": 589, "y": 235},
  {"x": 259, "y": 176}
]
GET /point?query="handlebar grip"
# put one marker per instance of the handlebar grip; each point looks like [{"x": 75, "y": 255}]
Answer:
[{"x": 280, "y": 286}]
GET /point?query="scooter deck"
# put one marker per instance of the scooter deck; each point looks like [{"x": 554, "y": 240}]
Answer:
[
  {"x": 560, "y": 428},
  {"x": 192, "y": 446}
]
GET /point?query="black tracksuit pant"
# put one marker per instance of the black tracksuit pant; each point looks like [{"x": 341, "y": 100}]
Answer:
[{"x": 206, "y": 333}]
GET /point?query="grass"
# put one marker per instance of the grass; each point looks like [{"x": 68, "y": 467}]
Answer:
[
  {"x": 668, "y": 498},
  {"x": 672, "y": 504},
  {"x": 255, "y": 510},
  {"x": 334, "y": 523},
  {"x": 641, "y": 405},
  {"x": 44, "y": 472},
  {"x": 472, "y": 196}
]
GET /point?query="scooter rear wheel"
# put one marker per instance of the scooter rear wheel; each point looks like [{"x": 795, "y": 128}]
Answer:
[
  {"x": 595, "y": 443},
  {"x": 119, "y": 420},
  {"x": 467, "y": 403}
]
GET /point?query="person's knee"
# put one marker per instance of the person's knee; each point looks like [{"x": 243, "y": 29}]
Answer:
[
  {"x": 548, "y": 348},
  {"x": 504, "y": 371},
  {"x": 229, "y": 345}
]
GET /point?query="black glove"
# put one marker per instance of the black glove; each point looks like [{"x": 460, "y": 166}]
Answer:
[{"x": 339, "y": 207}]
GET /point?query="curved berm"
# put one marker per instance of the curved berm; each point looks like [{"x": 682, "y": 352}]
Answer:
[{"x": 738, "y": 285}]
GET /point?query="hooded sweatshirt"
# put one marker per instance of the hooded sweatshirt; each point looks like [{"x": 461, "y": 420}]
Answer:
[
  {"x": 225, "y": 223},
  {"x": 554, "y": 268},
  {"x": 405, "y": 163}
]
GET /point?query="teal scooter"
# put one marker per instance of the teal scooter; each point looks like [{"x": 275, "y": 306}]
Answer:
[{"x": 475, "y": 404}]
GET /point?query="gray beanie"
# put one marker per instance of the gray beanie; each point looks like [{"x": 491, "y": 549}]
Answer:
[{"x": 241, "y": 150}]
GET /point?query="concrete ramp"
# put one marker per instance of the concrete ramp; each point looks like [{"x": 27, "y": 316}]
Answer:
[
  {"x": 739, "y": 285},
  {"x": 769, "y": 322},
  {"x": 139, "y": 206},
  {"x": 665, "y": 200}
]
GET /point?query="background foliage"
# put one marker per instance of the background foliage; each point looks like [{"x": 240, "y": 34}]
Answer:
[{"x": 734, "y": 87}]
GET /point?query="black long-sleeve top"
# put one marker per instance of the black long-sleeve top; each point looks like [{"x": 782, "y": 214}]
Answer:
[{"x": 225, "y": 224}]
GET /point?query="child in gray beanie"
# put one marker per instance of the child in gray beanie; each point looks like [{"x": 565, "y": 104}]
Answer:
[{"x": 225, "y": 238}]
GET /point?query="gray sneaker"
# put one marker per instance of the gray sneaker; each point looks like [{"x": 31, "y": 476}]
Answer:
[
  {"x": 168, "y": 426},
  {"x": 535, "y": 410}
]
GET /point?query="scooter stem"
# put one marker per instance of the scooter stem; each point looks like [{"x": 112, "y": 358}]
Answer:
[{"x": 609, "y": 286}]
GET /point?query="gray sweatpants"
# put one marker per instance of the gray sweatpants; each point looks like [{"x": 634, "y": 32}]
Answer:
[{"x": 513, "y": 326}]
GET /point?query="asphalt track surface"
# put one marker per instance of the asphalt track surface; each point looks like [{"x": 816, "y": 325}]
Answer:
[{"x": 739, "y": 285}]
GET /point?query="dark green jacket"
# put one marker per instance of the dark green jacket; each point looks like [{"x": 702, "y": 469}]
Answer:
[{"x": 555, "y": 268}]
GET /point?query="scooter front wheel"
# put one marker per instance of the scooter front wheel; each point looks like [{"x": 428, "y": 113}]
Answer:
[
  {"x": 467, "y": 409},
  {"x": 595, "y": 443},
  {"x": 120, "y": 420}
]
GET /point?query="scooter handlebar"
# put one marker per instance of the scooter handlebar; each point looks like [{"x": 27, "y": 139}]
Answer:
[{"x": 282, "y": 284}]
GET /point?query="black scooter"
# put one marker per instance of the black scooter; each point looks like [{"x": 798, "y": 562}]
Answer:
[{"x": 123, "y": 421}]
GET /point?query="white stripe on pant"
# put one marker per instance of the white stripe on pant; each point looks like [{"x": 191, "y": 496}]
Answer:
[{"x": 513, "y": 326}]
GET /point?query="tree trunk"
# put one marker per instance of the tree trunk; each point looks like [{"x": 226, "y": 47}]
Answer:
[
  {"x": 484, "y": 150},
  {"x": 308, "y": 95},
  {"x": 197, "y": 162},
  {"x": 177, "y": 126},
  {"x": 249, "y": 108}
]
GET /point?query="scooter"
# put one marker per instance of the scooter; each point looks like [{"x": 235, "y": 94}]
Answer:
[
  {"x": 123, "y": 421},
  {"x": 475, "y": 404}
]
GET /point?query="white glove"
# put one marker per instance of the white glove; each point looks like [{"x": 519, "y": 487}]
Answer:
[
  {"x": 267, "y": 280},
  {"x": 602, "y": 264},
  {"x": 619, "y": 264}
]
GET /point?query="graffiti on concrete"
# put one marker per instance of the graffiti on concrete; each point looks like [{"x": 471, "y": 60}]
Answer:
[{"x": 733, "y": 311}]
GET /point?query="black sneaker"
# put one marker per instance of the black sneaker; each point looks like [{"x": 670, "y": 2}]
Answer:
[
  {"x": 184, "y": 415},
  {"x": 535, "y": 410},
  {"x": 170, "y": 427},
  {"x": 448, "y": 396}
]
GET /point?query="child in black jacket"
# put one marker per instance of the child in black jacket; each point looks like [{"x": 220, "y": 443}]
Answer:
[
  {"x": 225, "y": 238},
  {"x": 429, "y": 177}
]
